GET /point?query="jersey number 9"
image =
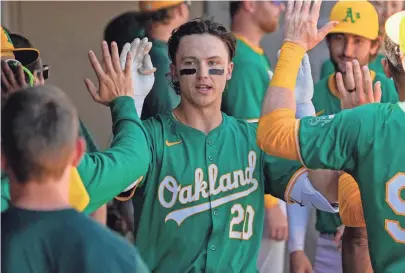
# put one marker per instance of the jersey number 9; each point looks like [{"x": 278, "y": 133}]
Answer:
[{"x": 394, "y": 188}]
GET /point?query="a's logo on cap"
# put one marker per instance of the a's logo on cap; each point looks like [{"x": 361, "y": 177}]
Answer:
[{"x": 350, "y": 16}]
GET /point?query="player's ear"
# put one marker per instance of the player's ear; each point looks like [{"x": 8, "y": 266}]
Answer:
[
  {"x": 249, "y": 5},
  {"x": 173, "y": 72},
  {"x": 386, "y": 68},
  {"x": 80, "y": 150},
  {"x": 230, "y": 69}
]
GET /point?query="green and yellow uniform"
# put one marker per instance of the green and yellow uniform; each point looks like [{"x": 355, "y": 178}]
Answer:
[
  {"x": 197, "y": 210},
  {"x": 162, "y": 98},
  {"x": 246, "y": 89},
  {"x": 326, "y": 102},
  {"x": 62, "y": 241},
  {"x": 250, "y": 79},
  {"x": 360, "y": 141},
  {"x": 328, "y": 68},
  {"x": 106, "y": 174}
]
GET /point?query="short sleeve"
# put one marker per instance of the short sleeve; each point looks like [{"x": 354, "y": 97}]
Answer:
[{"x": 334, "y": 141}]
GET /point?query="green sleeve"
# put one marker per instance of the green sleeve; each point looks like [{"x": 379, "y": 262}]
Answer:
[
  {"x": 389, "y": 92},
  {"x": 245, "y": 91},
  {"x": 5, "y": 192},
  {"x": 90, "y": 144},
  {"x": 106, "y": 174},
  {"x": 327, "y": 69},
  {"x": 335, "y": 141},
  {"x": 278, "y": 173}
]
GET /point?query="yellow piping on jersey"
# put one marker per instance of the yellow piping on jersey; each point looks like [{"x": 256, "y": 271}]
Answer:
[
  {"x": 78, "y": 196},
  {"x": 291, "y": 184},
  {"x": 256, "y": 49}
]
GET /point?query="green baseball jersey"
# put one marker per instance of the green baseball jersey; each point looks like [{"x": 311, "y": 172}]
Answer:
[
  {"x": 245, "y": 92},
  {"x": 328, "y": 68},
  {"x": 62, "y": 241},
  {"x": 162, "y": 98},
  {"x": 200, "y": 207},
  {"x": 366, "y": 143},
  {"x": 91, "y": 145},
  {"x": 326, "y": 102},
  {"x": 106, "y": 174}
]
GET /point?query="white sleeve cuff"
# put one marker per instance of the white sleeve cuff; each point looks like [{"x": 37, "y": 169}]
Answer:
[
  {"x": 304, "y": 110},
  {"x": 297, "y": 226},
  {"x": 304, "y": 194}
]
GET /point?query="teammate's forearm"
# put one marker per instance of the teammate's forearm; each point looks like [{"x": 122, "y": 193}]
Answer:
[
  {"x": 280, "y": 93},
  {"x": 106, "y": 174},
  {"x": 297, "y": 225},
  {"x": 277, "y": 128},
  {"x": 355, "y": 252}
]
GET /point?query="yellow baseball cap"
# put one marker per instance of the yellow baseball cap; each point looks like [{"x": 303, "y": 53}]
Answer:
[
  {"x": 148, "y": 6},
  {"x": 355, "y": 17},
  {"x": 25, "y": 56}
]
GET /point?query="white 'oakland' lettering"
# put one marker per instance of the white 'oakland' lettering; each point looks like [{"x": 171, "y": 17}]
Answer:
[{"x": 170, "y": 192}]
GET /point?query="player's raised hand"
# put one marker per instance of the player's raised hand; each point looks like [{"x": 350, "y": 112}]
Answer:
[
  {"x": 356, "y": 88},
  {"x": 113, "y": 82},
  {"x": 300, "y": 24}
]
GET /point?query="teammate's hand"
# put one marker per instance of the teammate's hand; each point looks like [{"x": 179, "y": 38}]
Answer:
[
  {"x": 277, "y": 223},
  {"x": 112, "y": 80},
  {"x": 11, "y": 82},
  {"x": 142, "y": 68},
  {"x": 357, "y": 87},
  {"x": 300, "y": 24},
  {"x": 337, "y": 240},
  {"x": 299, "y": 262}
]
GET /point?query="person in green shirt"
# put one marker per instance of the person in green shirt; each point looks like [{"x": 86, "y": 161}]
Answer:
[
  {"x": 40, "y": 231},
  {"x": 195, "y": 210},
  {"x": 105, "y": 173},
  {"x": 357, "y": 141},
  {"x": 242, "y": 98},
  {"x": 353, "y": 38},
  {"x": 19, "y": 41}
]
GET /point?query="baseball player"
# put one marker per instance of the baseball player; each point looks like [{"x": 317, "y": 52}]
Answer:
[
  {"x": 40, "y": 231},
  {"x": 243, "y": 97},
  {"x": 354, "y": 38},
  {"x": 199, "y": 206},
  {"x": 354, "y": 141}
]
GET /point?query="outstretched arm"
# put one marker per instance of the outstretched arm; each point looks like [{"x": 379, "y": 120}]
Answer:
[
  {"x": 106, "y": 174},
  {"x": 277, "y": 125}
]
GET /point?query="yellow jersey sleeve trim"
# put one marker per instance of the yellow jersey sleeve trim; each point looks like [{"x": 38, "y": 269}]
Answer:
[
  {"x": 276, "y": 134},
  {"x": 270, "y": 201},
  {"x": 291, "y": 184},
  {"x": 350, "y": 206},
  {"x": 125, "y": 196}
]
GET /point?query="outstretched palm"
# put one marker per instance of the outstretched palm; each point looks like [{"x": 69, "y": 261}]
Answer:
[{"x": 300, "y": 25}]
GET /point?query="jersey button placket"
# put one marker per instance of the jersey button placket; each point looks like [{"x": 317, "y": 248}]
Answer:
[{"x": 212, "y": 253}]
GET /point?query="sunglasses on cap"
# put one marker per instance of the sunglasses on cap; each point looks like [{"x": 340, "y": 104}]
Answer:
[
  {"x": 13, "y": 64},
  {"x": 44, "y": 70}
]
